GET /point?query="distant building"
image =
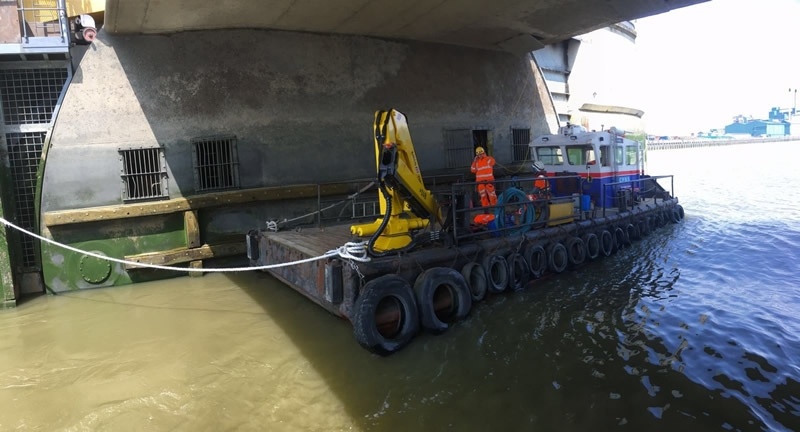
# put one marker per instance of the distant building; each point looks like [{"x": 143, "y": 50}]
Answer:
[{"x": 776, "y": 125}]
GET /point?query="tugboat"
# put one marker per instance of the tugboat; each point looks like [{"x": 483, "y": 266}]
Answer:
[{"x": 431, "y": 256}]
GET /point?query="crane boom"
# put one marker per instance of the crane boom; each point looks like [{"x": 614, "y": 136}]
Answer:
[{"x": 405, "y": 203}]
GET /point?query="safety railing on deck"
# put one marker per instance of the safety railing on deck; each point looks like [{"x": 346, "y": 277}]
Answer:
[
  {"x": 521, "y": 206},
  {"x": 43, "y": 23},
  {"x": 624, "y": 193}
]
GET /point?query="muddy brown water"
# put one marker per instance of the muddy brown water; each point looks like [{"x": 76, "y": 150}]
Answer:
[{"x": 694, "y": 328}]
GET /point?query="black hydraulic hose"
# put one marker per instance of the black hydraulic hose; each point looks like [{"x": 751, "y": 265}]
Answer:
[{"x": 379, "y": 231}]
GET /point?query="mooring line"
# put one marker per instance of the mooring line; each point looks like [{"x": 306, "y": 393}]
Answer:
[{"x": 352, "y": 251}]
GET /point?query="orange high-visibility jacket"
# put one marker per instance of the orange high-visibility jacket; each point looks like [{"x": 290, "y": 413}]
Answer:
[{"x": 483, "y": 167}]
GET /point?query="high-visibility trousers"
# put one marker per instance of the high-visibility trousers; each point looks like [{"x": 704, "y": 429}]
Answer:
[{"x": 488, "y": 197}]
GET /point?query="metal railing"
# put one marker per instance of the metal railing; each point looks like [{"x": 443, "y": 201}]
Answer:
[
  {"x": 509, "y": 217},
  {"x": 625, "y": 191},
  {"x": 43, "y": 19}
]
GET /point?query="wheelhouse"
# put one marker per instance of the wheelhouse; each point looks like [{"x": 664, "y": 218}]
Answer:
[{"x": 608, "y": 164}]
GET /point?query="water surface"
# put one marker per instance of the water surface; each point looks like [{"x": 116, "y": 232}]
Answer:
[{"x": 695, "y": 328}]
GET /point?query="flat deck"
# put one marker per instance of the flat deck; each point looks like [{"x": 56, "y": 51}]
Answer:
[{"x": 334, "y": 282}]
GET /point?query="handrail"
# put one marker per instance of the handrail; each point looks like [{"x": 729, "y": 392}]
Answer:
[
  {"x": 638, "y": 181},
  {"x": 501, "y": 185},
  {"x": 31, "y": 16}
]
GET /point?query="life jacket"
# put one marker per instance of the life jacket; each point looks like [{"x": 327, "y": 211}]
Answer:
[
  {"x": 540, "y": 182},
  {"x": 483, "y": 167}
]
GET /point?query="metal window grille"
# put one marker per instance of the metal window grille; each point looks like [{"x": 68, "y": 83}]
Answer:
[
  {"x": 30, "y": 95},
  {"x": 144, "y": 174},
  {"x": 24, "y": 154},
  {"x": 458, "y": 148},
  {"x": 216, "y": 163},
  {"x": 520, "y": 138}
]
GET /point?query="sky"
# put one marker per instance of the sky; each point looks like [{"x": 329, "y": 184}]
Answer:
[{"x": 704, "y": 64}]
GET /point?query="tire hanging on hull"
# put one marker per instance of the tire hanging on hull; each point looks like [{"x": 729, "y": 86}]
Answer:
[
  {"x": 443, "y": 297},
  {"x": 385, "y": 316},
  {"x": 496, "y": 270},
  {"x": 475, "y": 276}
]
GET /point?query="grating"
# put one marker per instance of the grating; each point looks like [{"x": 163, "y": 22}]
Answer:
[
  {"x": 216, "y": 163},
  {"x": 458, "y": 148},
  {"x": 144, "y": 174},
  {"x": 24, "y": 154},
  {"x": 520, "y": 138},
  {"x": 30, "y": 95}
]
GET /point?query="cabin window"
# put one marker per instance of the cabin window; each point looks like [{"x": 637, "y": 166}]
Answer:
[
  {"x": 144, "y": 174},
  {"x": 605, "y": 155},
  {"x": 580, "y": 155},
  {"x": 216, "y": 163},
  {"x": 620, "y": 151},
  {"x": 520, "y": 140},
  {"x": 630, "y": 155},
  {"x": 550, "y": 155}
]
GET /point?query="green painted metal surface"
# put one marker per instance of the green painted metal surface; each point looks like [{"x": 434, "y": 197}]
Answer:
[{"x": 65, "y": 270}]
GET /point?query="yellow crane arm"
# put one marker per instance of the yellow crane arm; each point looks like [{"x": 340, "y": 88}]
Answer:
[{"x": 401, "y": 182}]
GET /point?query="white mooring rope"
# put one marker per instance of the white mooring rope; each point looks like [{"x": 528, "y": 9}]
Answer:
[{"x": 351, "y": 251}]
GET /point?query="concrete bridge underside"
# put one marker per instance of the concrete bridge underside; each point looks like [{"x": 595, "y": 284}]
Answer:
[
  {"x": 517, "y": 26},
  {"x": 287, "y": 89}
]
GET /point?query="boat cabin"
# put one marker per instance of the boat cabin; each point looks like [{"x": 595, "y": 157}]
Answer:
[{"x": 609, "y": 165}]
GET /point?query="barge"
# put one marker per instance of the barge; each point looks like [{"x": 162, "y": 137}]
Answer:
[{"x": 432, "y": 256}]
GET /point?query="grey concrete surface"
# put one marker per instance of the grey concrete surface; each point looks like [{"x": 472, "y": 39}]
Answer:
[
  {"x": 301, "y": 106},
  {"x": 518, "y": 26}
]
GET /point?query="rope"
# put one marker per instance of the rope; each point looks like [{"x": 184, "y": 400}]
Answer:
[
  {"x": 352, "y": 251},
  {"x": 275, "y": 225}
]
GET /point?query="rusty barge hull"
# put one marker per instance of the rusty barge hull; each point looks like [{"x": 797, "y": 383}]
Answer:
[{"x": 336, "y": 284}]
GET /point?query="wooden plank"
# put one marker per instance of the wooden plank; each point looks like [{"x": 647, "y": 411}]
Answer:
[
  {"x": 182, "y": 255},
  {"x": 132, "y": 210},
  {"x": 196, "y": 265},
  {"x": 192, "y": 229}
]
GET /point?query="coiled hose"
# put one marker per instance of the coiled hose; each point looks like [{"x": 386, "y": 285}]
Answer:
[{"x": 514, "y": 196}]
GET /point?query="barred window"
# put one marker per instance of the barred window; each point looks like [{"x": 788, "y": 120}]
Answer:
[
  {"x": 144, "y": 174},
  {"x": 458, "y": 148},
  {"x": 460, "y": 145},
  {"x": 216, "y": 163},
  {"x": 520, "y": 138}
]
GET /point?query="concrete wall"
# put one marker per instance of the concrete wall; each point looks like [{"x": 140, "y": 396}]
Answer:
[{"x": 300, "y": 104}]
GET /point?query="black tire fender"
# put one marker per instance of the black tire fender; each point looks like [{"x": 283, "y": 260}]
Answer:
[
  {"x": 385, "y": 296},
  {"x": 620, "y": 239},
  {"x": 557, "y": 258},
  {"x": 674, "y": 215},
  {"x": 443, "y": 298},
  {"x": 475, "y": 276},
  {"x": 536, "y": 257},
  {"x": 632, "y": 232},
  {"x": 592, "y": 244},
  {"x": 644, "y": 227},
  {"x": 496, "y": 269},
  {"x": 606, "y": 243},
  {"x": 576, "y": 251},
  {"x": 518, "y": 271}
]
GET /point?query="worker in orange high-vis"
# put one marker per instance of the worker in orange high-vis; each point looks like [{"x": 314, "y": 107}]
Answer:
[{"x": 483, "y": 168}]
